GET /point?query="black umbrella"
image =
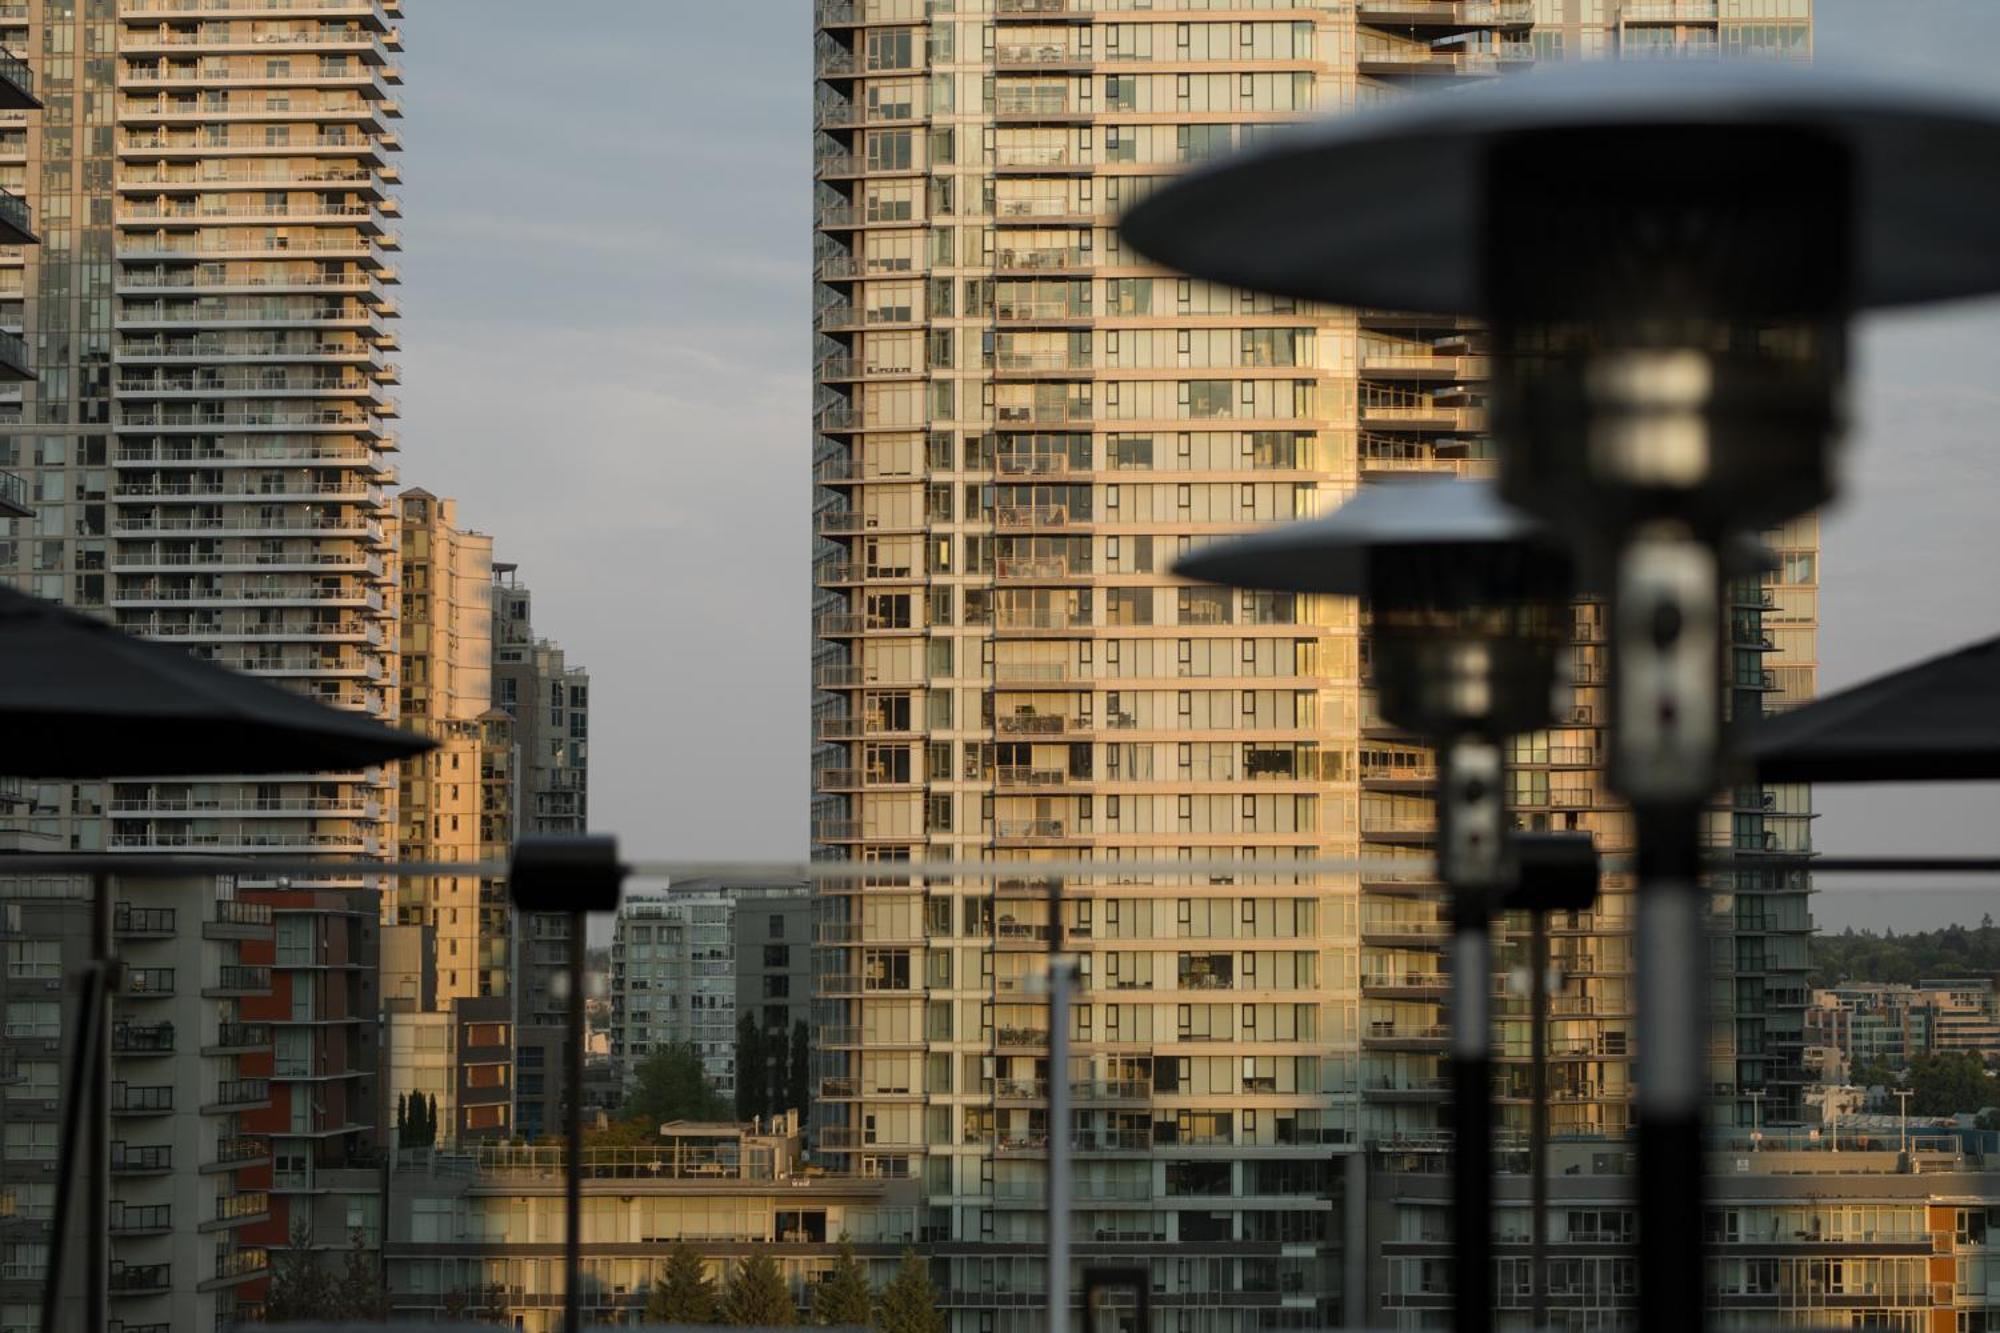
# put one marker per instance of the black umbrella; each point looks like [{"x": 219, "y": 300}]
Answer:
[
  {"x": 1937, "y": 721},
  {"x": 80, "y": 699}
]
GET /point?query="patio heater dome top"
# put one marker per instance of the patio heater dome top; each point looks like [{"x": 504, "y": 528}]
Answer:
[
  {"x": 1337, "y": 553},
  {"x": 1389, "y": 207}
]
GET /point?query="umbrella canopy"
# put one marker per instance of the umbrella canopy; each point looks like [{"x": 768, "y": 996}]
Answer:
[
  {"x": 1388, "y": 207},
  {"x": 1937, "y": 721},
  {"x": 79, "y": 699}
]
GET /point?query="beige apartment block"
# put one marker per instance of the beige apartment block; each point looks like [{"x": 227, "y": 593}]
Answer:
[
  {"x": 456, "y": 802},
  {"x": 246, "y": 186},
  {"x": 1018, "y": 426},
  {"x": 446, "y": 958}
]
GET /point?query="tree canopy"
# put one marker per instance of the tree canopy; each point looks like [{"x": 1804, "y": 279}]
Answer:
[
  {"x": 683, "y": 1293},
  {"x": 1955, "y": 951},
  {"x": 670, "y": 1084},
  {"x": 757, "y": 1295},
  {"x": 909, "y": 1303},
  {"x": 843, "y": 1296},
  {"x": 753, "y": 1068},
  {"x": 1951, "y": 1083}
]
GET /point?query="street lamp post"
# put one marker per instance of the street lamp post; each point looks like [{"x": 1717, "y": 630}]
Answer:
[
  {"x": 1668, "y": 255},
  {"x": 1468, "y": 604}
]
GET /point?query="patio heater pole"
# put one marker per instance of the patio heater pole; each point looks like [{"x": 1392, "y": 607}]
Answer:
[
  {"x": 1538, "y": 1124},
  {"x": 1470, "y": 818},
  {"x": 103, "y": 973},
  {"x": 573, "y": 876},
  {"x": 573, "y": 1134}
]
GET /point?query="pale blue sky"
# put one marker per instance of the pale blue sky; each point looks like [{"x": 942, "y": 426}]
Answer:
[{"x": 606, "y": 293}]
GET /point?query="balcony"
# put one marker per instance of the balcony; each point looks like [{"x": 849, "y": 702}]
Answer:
[
  {"x": 17, "y": 84},
  {"x": 152, "y": 1220},
  {"x": 137, "y": 1160},
  {"x": 238, "y": 1094},
  {"x": 142, "y": 923},
  {"x": 238, "y": 1038},
  {"x": 147, "y": 1101},
  {"x": 15, "y": 223},
  {"x": 142, "y": 1039},
  {"x": 235, "y": 980},
  {"x": 140, "y": 1279},
  {"x": 14, "y": 496},
  {"x": 1450, "y": 15},
  {"x": 147, "y": 983}
]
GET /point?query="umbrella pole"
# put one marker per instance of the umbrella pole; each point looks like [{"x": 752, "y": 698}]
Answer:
[
  {"x": 98, "y": 1241},
  {"x": 573, "y": 1133}
]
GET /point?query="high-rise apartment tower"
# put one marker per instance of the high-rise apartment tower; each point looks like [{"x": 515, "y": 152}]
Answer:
[{"x": 1017, "y": 427}]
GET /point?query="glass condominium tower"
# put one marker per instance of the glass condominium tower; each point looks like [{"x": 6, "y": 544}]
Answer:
[{"x": 1018, "y": 426}]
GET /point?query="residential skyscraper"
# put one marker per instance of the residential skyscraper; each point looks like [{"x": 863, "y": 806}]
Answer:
[
  {"x": 549, "y": 700},
  {"x": 455, "y": 803},
  {"x": 201, "y": 458},
  {"x": 1017, "y": 427},
  {"x": 445, "y": 973},
  {"x": 244, "y": 177}
]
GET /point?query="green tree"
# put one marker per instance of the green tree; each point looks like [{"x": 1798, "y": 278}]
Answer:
[
  {"x": 402, "y": 1120},
  {"x": 300, "y": 1288},
  {"x": 670, "y": 1084},
  {"x": 431, "y": 1123},
  {"x": 753, "y": 1065},
  {"x": 909, "y": 1303},
  {"x": 843, "y": 1296},
  {"x": 357, "y": 1293},
  {"x": 798, "y": 1074},
  {"x": 757, "y": 1295},
  {"x": 683, "y": 1293},
  {"x": 1950, "y": 1083}
]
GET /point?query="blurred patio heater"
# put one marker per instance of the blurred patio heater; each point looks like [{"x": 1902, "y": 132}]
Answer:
[
  {"x": 574, "y": 876},
  {"x": 1668, "y": 254},
  {"x": 1469, "y": 604}
]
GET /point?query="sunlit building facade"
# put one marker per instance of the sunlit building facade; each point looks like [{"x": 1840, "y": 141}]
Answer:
[
  {"x": 201, "y": 458},
  {"x": 1017, "y": 427}
]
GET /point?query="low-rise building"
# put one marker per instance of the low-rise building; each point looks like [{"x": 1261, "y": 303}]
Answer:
[
  {"x": 188, "y": 1175},
  {"x": 1799, "y": 1235},
  {"x": 480, "y": 1233},
  {"x": 1890, "y": 1024}
]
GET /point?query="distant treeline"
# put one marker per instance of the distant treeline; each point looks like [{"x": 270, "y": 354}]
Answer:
[{"x": 1955, "y": 951}]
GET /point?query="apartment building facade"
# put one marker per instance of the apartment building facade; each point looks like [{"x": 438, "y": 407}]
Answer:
[
  {"x": 322, "y": 1054},
  {"x": 186, "y": 1192},
  {"x": 548, "y": 698},
  {"x": 200, "y": 459},
  {"x": 470, "y": 1235},
  {"x": 1798, "y": 1236},
  {"x": 1017, "y": 427},
  {"x": 673, "y": 982}
]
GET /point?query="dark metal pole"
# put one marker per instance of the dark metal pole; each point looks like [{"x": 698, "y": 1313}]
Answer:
[
  {"x": 1471, "y": 843},
  {"x": 97, "y": 1295},
  {"x": 573, "y": 1130},
  {"x": 1672, "y": 1007},
  {"x": 1538, "y": 1123},
  {"x": 87, "y": 1019},
  {"x": 1472, "y": 1112}
]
